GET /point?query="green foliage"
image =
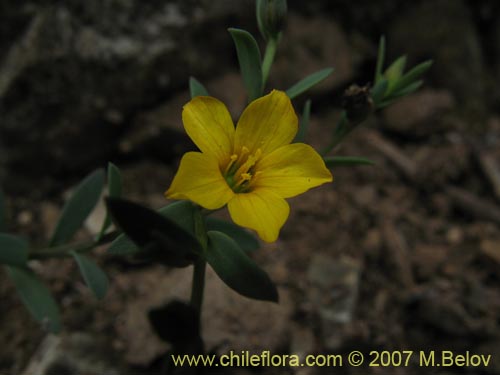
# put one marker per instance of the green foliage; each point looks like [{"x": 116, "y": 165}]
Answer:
[
  {"x": 159, "y": 238},
  {"x": 394, "y": 72},
  {"x": 346, "y": 161},
  {"x": 245, "y": 240},
  {"x": 308, "y": 82},
  {"x": 13, "y": 250},
  {"x": 304, "y": 122},
  {"x": 36, "y": 297},
  {"x": 114, "y": 191},
  {"x": 378, "y": 92},
  {"x": 250, "y": 62},
  {"x": 393, "y": 83},
  {"x": 182, "y": 213},
  {"x": 94, "y": 277},
  {"x": 196, "y": 88},
  {"x": 78, "y": 207},
  {"x": 123, "y": 246},
  {"x": 237, "y": 270}
]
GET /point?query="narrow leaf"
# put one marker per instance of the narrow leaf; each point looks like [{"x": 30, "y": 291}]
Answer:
[
  {"x": 378, "y": 91},
  {"x": 3, "y": 213},
  {"x": 408, "y": 89},
  {"x": 94, "y": 277},
  {"x": 157, "y": 236},
  {"x": 237, "y": 270},
  {"x": 396, "y": 95},
  {"x": 394, "y": 72},
  {"x": 340, "y": 161},
  {"x": 380, "y": 59},
  {"x": 180, "y": 212},
  {"x": 114, "y": 191},
  {"x": 250, "y": 62},
  {"x": 413, "y": 75},
  {"x": 196, "y": 88},
  {"x": 78, "y": 207},
  {"x": 304, "y": 122},
  {"x": 123, "y": 246},
  {"x": 308, "y": 82},
  {"x": 243, "y": 238},
  {"x": 13, "y": 250},
  {"x": 36, "y": 297}
]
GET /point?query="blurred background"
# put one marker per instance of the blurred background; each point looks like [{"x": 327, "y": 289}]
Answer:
[{"x": 403, "y": 255}]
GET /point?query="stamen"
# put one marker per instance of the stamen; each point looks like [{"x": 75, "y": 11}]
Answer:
[
  {"x": 232, "y": 160},
  {"x": 244, "y": 177}
]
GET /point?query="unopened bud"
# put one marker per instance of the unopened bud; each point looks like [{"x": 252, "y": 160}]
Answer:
[
  {"x": 357, "y": 103},
  {"x": 271, "y": 17}
]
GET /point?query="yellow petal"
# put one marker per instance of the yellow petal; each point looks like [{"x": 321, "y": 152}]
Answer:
[
  {"x": 291, "y": 170},
  {"x": 199, "y": 180},
  {"x": 260, "y": 210},
  {"x": 267, "y": 123},
  {"x": 209, "y": 124}
]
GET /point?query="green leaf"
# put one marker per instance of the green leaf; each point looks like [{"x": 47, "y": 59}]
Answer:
[
  {"x": 413, "y": 75},
  {"x": 304, "y": 122},
  {"x": 308, "y": 82},
  {"x": 36, "y": 297},
  {"x": 158, "y": 237},
  {"x": 378, "y": 91},
  {"x": 196, "y": 88},
  {"x": 394, "y": 73},
  {"x": 243, "y": 238},
  {"x": 406, "y": 91},
  {"x": 180, "y": 212},
  {"x": 94, "y": 277},
  {"x": 380, "y": 59},
  {"x": 250, "y": 62},
  {"x": 78, "y": 207},
  {"x": 123, "y": 246},
  {"x": 237, "y": 270},
  {"x": 114, "y": 190},
  {"x": 13, "y": 250},
  {"x": 340, "y": 161},
  {"x": 3, "y": 213}
]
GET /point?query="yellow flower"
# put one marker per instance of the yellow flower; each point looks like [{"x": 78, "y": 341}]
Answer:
[{"x": 252, "y": 168}]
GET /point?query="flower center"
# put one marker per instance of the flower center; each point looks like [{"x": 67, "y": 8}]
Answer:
[{"x": 240, "y": 171}]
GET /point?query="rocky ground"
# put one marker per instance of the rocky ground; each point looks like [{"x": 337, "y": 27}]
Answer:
[{"x": 403, "y": 255}]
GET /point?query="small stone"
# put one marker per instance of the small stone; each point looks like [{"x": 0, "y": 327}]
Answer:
[
  {"x": 25, "y": 218},
  {"x": 455, "y": 236},
  {"x": 491, "y": 249},
  {"x": 333, "y": 292}
]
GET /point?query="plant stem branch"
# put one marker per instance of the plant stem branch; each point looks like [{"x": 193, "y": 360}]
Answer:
[
  {"x": 63, "y": 250},
  {"x": 198, "y": 285},
  {"x": 268, "y": 59}
]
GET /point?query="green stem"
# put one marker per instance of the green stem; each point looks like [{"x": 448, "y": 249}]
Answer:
[
  {"x": 64, "y": 250},
  {"x": 341, "y": 130},
  {"x": 198, "y": 285},
  {"x": 268, "y": 60}
]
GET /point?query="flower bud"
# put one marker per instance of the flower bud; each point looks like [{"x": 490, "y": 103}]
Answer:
[
  {"x": 357, "y": 103},
  {"x": 271, "y": 17}
]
